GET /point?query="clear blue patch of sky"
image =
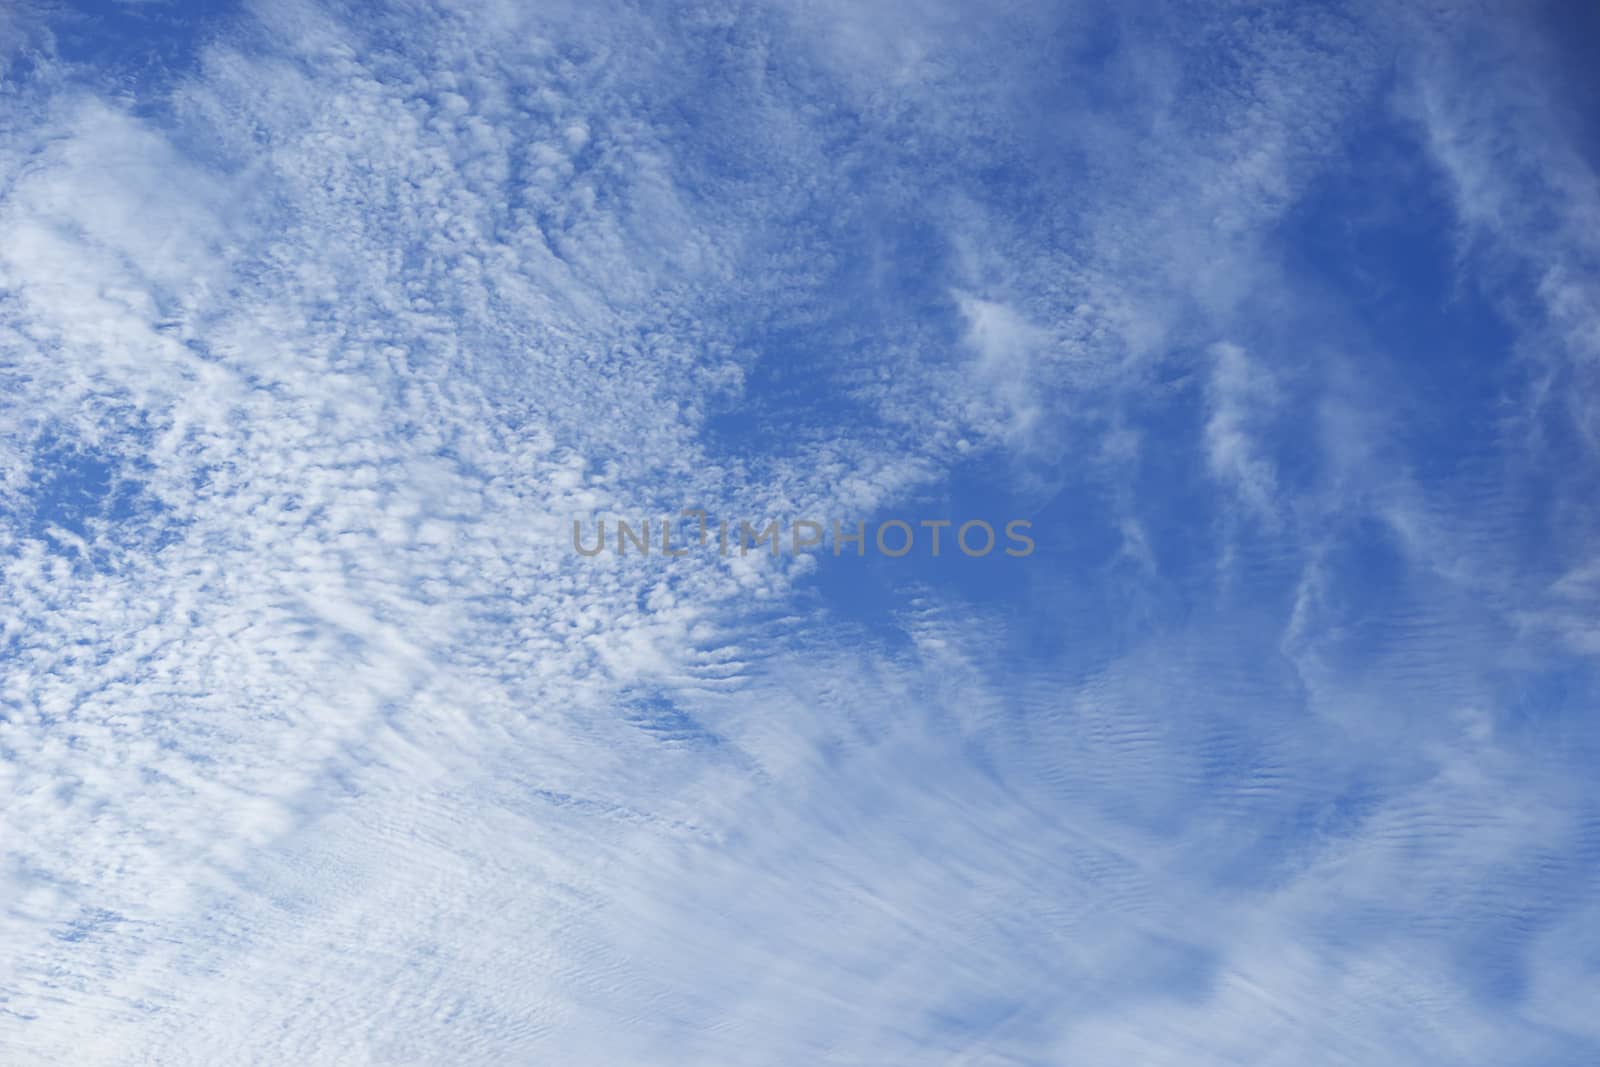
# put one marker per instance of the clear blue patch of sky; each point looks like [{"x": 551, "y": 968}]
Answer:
[{"x": 132, "y": 50}]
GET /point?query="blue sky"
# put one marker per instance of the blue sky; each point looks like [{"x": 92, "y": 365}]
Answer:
[{"x": 320, "y": 325}]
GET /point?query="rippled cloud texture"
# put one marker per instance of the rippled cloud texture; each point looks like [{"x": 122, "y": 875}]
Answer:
[{"x": 321, "y": 324}]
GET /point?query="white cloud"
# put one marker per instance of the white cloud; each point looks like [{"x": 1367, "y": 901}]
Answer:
[
  {"x": 1005, "y": 345},
  {"x": 331, "y": 732},
  {"x": 1241, "y": 397}
]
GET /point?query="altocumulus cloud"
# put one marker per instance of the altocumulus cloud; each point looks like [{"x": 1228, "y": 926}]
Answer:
[{"x": 320, "y": 323}]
